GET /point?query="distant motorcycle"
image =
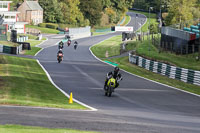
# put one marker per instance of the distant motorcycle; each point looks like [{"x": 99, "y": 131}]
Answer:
[
  {"x": 110, "y": 87},
  {"x": 60, "y": 45},
  {"x": 68, "y": 42},
  {"x": 60, "y": 57}
]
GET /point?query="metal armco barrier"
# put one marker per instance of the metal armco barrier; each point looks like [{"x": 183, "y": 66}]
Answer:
[{"x": 185, "y": 75}]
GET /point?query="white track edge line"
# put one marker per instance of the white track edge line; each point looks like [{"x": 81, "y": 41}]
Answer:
[
  {"x": 67, "y": 95},
  {"x": 38, "y": 51}
]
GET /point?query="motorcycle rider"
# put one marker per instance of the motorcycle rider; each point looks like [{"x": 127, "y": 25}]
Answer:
[
  {"x": 60, "y": 45},
  {"x": 60, "y": 53},
  {"x": 69, "y": 42},
  {"x": 75, "y": 45},
  {"x": 116, "y": 75}
]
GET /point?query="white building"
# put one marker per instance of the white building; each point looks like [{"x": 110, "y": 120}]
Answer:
[{"x": 11, "y": 18}]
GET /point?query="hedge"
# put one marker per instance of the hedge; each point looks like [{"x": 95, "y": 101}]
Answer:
[{"x": 48, "y": 25}]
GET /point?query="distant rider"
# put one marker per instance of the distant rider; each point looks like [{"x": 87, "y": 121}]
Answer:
[
  {"x": 116, "y": 75},
  {"x": 75, "y": 45},
  {"x": 60, "y": 45},
  {"x": 69, "y": 42},
  {"x": 60, "y": 53}
]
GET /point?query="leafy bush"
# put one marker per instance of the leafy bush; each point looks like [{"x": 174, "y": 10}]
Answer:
[{"x": 51, "y": 26}]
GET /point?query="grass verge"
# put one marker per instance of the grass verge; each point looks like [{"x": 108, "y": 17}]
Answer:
[
  {"x": 184, "y": 61},
  {"x": 25, "y": 83},
  {"x": 99, "y": 51},
  {"x": 29, "y": 129},
  {"x": 44, "y": 30},
  {"x": 110, "y": 46},
  {"x": 8, "y": 43}
]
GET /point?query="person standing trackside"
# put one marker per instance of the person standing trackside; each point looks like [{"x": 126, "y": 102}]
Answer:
[{"x": 75, "y": 45}]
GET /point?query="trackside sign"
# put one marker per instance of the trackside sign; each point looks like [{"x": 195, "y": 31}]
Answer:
[{"x": 123, "y": 28}]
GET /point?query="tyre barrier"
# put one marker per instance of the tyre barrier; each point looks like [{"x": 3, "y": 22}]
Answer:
[
  {"x": 25, "y": 45},
  {"x": 11, "y": 50},
  {"x": 185, "y": 75}
]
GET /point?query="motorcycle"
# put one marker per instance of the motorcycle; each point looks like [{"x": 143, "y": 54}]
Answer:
[
  {"x": 60, "y": 57},
  {"x": 110, "y": 87},
  {"x": 60, "y": 45},
  {"x": 68, "y": 42}
]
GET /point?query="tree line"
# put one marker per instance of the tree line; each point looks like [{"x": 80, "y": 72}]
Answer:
[
  {"x": 106, "y": 12},
  {"x": 175, "y": 11},
  {"x": 82, "y": 12}
]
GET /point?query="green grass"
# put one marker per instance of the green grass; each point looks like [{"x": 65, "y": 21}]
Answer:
[
  {"x": 8, "y": 43},
  {"x": 184, "y": 61},
  {"x": 142, "y": 49},
  {"x": 25, "y": 83},
  {"x": 153, "y": 19},
  {"x": 29, "y": 36},
  {"x": 111, "y": 45},
  {"x": 18, "y": 35},
  {"x": 30, "y": 129},
  {"x": 44, "y": 30}
]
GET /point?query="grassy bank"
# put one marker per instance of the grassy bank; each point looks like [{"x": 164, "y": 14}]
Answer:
[
  {"x": 43, "y": 30},
  {"x": 23, "y": 82},
  {"x": 184, "y": 61},
  {"x": 142, "y": 48},
  {"x": 110, "y": 47},
  {"x": 29, "y": 129},
  {"x": 7, "y": 43}
]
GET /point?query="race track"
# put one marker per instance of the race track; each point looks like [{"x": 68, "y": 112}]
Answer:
[{"x": 137, "y": 105}]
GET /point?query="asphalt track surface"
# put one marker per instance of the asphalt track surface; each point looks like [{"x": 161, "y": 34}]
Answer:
[{"x": 137, "y": 106}]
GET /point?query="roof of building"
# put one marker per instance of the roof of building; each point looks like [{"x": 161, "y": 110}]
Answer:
[{"x": 34, "y": 5}]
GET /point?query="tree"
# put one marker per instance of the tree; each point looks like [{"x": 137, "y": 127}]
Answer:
[
  {"x": 179, "y": 11},
  {"x": 153, "y": 28},
  {"x": 52, "y": 11},
  {"x": 72, "y": 14},
  {"x": 106, "y": 4},
  {"x": 91, "y": 9}
]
